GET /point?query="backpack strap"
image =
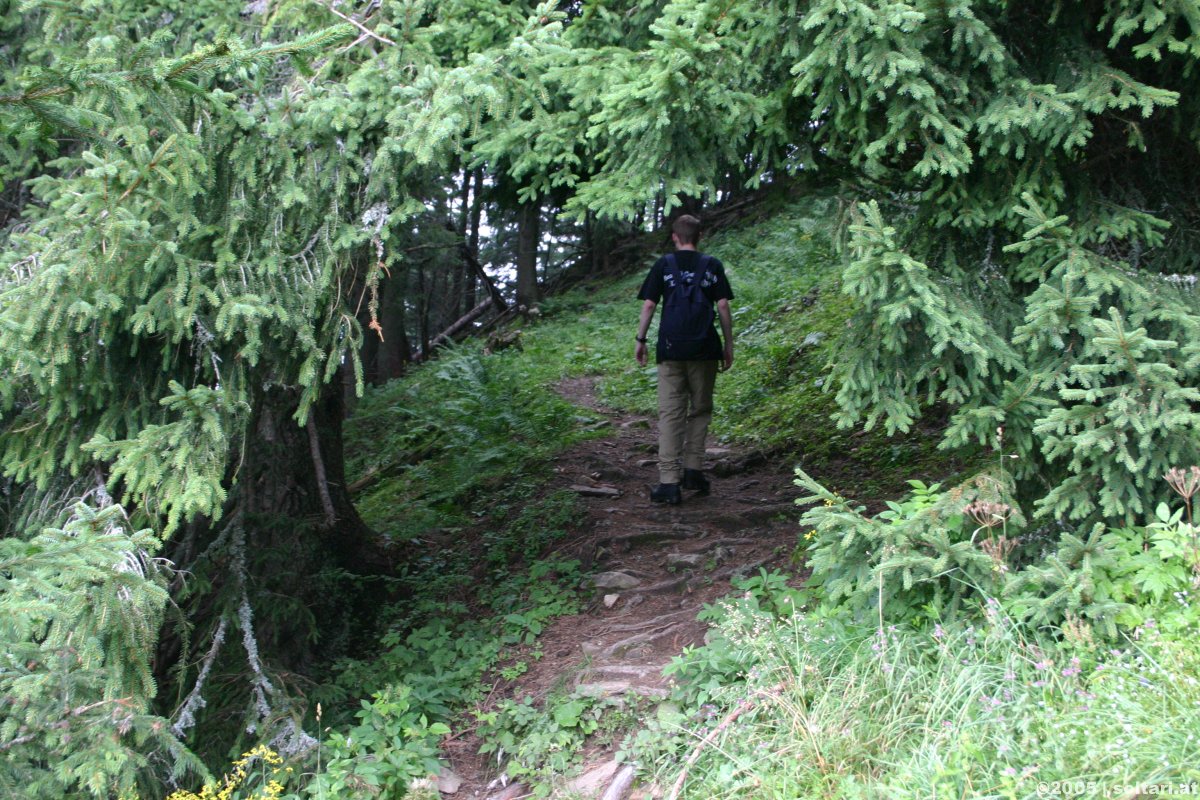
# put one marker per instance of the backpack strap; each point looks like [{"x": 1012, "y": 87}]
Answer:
[
  {"x": 702, "y": 270},
  {"x": 673, "y": 266}
]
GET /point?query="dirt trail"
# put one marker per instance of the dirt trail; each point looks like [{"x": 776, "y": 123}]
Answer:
[{"x": 671, "y": 560}]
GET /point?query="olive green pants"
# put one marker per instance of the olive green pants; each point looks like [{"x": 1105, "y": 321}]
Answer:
[{"x": 685, "y": 404}]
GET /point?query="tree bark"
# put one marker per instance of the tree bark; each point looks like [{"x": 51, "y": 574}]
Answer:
[
  {"x": 548, "y": 252},
  {"x": 422, "y": 309},
  {"x": 391, "y": 353},
  {"x": 528, "y": 234},
  {"x": 290, "y": 539},
  {"x": 462, "y": 271},
  {"x": 470, "y": 279},
  {"x": 282, "y": 477}
]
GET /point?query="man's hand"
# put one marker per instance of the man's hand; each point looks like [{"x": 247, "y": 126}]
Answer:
[
  {"x": 644, "y": 318},
  {"x": 726, "y": 317}
]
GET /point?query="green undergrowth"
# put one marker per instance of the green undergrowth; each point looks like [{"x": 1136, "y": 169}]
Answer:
[
  {"x": 461, "y": 438},
  {"x": 939, "y": 649},
  {"x": 985, "y": 709},
  {"x": 441, "y": 653},
  {"x": 539, "y": 743},
  {"x": 451, "y": 464}
]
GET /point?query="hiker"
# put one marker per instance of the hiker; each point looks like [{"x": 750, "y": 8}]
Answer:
[{"x": 688, "y": 355}]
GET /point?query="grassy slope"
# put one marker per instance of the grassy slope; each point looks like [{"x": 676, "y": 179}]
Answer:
[
  {"x": 465, "y": 440},
  {"x": 461, "y": 446}
]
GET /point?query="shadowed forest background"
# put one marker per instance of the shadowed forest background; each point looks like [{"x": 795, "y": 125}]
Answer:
[{"x": 292, "y": 293}]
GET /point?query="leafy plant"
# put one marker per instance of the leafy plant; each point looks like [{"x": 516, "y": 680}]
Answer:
[
  {"x": 1154, "y": 570},
  {"x": 768, "y": 592},
  {"x": 532, "y": 742},
  {"x": 392, "y": 745}
]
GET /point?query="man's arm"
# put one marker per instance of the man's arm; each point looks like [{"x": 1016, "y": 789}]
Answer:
[
  {"x": 726, "y": 332},
  {"x": 639, "y": 352}
]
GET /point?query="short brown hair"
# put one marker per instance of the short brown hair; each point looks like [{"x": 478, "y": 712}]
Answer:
[{"x": 687, "y": 228}]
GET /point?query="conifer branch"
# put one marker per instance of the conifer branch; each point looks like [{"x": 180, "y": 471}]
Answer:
[{"x": 62, "y": 724}]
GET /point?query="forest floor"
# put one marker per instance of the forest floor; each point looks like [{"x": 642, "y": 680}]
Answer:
[{"x": 653, "y": 568}]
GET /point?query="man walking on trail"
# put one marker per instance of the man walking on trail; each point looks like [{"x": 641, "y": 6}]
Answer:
[{"x": 688, "y": 354}]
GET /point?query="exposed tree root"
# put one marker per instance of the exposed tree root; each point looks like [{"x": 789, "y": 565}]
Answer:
[
  {"x": 620, "y": 786},
  {"x": 623, "y": 646},
  {"x": 641, "y": 626}
]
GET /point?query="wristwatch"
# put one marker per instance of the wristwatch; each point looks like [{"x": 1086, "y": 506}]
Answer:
[{"x": 640, "y": 339}]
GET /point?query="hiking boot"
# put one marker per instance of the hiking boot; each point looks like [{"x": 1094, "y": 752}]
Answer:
[
  {"x": 666, "y": 493},
  {"x": 694, "y": 479}
]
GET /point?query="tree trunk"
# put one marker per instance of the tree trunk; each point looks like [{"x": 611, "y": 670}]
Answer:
[
  {"x": 459, "y": 304},
  {"x": 689, "y": 204},
  {"x": 548, "y": 253},
  {"x": 392, "y": 352},
  {"x": 422, "y": 309},
  {"x": 290, "y": 541},
  {"x": 280, "y": 472},
  {"x": 469, "y": 284},
  {"x": 528, "y": 234}
]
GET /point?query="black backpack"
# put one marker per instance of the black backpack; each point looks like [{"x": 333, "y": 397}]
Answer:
[{"x": 687, "y": 317}]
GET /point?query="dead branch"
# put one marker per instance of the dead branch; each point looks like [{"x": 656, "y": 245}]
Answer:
[
  {"x": 314, "y": 446},
  {"x": 365, "y": 30},
  {"x": 741, "y": 708}
]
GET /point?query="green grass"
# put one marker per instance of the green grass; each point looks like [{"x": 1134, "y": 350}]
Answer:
[{"x": 990, "y": 710}]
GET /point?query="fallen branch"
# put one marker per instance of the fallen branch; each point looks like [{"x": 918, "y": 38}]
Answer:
[
  {"x": 365, "y": 30},
  {"x": 473, "y": 262},
  {"x": 460, "y": 324},
  {"x": 741, "y": 708},
  {"x": 371, "y": 475}
]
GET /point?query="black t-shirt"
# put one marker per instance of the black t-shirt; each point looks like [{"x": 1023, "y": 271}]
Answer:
[{"x": 660, "y": 282}]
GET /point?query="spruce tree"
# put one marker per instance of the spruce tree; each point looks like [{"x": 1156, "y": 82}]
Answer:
[
  {"x": 1036, "y": 208},
  {"x": 172, "y": 311}
]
